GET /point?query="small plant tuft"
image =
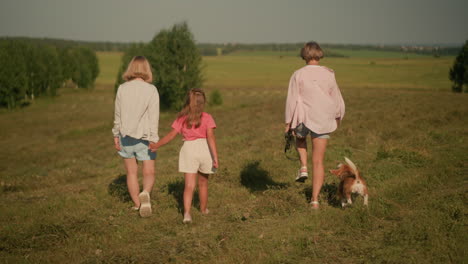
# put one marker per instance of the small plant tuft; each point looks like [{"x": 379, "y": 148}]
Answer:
[{"x": 215, "y": 98}]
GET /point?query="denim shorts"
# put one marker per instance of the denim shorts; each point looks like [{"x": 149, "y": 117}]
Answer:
[
  {"x": 135, "y": 148},
  {"x": 302, "y": 131}
]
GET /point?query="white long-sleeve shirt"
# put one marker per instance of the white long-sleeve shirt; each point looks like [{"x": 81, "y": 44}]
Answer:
[
  {"x": 137, "y": 111},
  {"x": 314, "y": 99}
]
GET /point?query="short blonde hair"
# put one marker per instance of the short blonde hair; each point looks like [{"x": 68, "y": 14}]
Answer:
[
  {"x": 138, "y": 67},
  {"x": 311, "y": 51}
]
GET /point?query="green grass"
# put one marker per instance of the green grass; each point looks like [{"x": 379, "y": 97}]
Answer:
[{"x": 63, "y": 187}]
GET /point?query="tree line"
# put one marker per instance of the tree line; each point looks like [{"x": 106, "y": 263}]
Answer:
[
  {"x": 214, "y": 49},
  {"x": 31, "y": 69}
]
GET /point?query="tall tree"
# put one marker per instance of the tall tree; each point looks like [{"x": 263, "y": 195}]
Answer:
[{"x": 177, "y": 64}]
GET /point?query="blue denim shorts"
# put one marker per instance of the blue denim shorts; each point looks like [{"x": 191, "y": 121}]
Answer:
[
  {"x": 135, "y": 148},
  {"x": 302, "y": 131}
]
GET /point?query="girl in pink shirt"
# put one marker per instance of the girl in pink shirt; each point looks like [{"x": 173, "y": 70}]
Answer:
[
  {"x": 198, "y": 156},
  {"x": 314, "y": 106}
]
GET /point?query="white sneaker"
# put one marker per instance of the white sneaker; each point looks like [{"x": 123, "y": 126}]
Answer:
[
  {"x": 302, "y": 174},
  {"x": 187, "y": 219},
  {"x": 145, "y": 207}
]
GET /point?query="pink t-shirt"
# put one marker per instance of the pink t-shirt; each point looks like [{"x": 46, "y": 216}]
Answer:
[{"x": 194, "y": 133}]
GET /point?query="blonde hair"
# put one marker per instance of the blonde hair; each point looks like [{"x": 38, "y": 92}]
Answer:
[
  {"x": 138, "y": 67},
  {"x": 311, "y": 51},
  {"x": 193, "y": 108}
]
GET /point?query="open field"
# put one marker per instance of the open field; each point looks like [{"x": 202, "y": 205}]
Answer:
[{"x": 63, "y": 187}]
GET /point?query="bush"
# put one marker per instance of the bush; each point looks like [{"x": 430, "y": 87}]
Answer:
[
  {"x": 459, "y": 71},
  {"x": 215, "y": 98}
]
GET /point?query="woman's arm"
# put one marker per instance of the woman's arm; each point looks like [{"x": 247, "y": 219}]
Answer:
[
  {"x": 166, "y": 139},
  {"x": 153, "y": 114},
  {"x": 116, "y": 128},
  {"x": 291, "y": 100},
  {"x": 212, "y": 145}
]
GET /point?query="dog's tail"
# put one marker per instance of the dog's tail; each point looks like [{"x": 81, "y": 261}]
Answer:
[{"x": 353, "y": 168}]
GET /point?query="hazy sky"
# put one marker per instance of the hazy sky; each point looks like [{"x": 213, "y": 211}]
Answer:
[{"x": 244, "y": 21}]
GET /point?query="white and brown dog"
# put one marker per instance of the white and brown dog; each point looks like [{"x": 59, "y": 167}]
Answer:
[{"x": 351, "y": 182}]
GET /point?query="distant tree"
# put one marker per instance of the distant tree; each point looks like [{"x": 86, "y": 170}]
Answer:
[
  {"x": 53, "y": 64},
  {"x": 67, "y": 63},
  {"x": 459, "y": 71},
  {"x": 84, "y": 67},
  {"x": 44, "y": 70},
  {"x": 92, "y": 62},
  {"x": 13, "y": 73}
]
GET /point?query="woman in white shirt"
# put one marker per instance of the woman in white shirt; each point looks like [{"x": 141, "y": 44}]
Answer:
[{"x": 136, "y": 119}]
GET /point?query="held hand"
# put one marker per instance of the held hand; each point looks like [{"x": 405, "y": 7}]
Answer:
[
  {"x": 153, "y": 146},
  {"x": 117, "y": 143},
  {"x": 215, "y": 163}
]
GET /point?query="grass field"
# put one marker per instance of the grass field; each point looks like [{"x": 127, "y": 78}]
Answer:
[{"x": 63, "y": 187}]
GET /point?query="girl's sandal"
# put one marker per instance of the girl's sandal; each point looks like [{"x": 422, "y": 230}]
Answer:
[
  {"x": 205, "y": 212},
  {"x": 135, "y": 208},
  {"x": 314, "y": 205}
]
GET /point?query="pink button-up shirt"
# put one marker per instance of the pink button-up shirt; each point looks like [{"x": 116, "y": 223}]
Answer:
[{"x": 314, "y": 99}]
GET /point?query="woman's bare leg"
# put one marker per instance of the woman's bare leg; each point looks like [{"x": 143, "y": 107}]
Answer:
[
  {"x": 319, "y": 146},
  {"x": 131, "y": 166},
  {"x": 148, "y": 175},
  {"x": 302, "y": 149}
]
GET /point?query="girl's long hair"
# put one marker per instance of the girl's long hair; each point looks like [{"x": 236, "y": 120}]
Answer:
[{"x": 193, "y": 108}]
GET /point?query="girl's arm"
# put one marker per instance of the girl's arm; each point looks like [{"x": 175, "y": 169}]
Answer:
[
  {"x": 170, "y": 136},
  {"x": 212, "y": 145}
]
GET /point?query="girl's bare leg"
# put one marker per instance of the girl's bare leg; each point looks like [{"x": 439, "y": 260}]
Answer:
[
  {"x": 190, "y": 179},
  {"x": 131, "y": 166},
  {"x": 318, "y": 154},
  {"x": 148, "y": 175},
  {"x": 203, "y": 192}
]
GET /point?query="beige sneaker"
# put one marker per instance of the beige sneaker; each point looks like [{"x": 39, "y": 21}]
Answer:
[
  {"x": 302, "y": 174},
  {"x": 145, "y": 207}
]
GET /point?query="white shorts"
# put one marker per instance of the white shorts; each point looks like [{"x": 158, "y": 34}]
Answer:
[{"x": 195, "y": 157}]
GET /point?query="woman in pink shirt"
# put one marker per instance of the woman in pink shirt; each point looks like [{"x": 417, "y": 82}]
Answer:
[
  {"x": 314, "y": 106},
  {"x": 198, "y": 156}
]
